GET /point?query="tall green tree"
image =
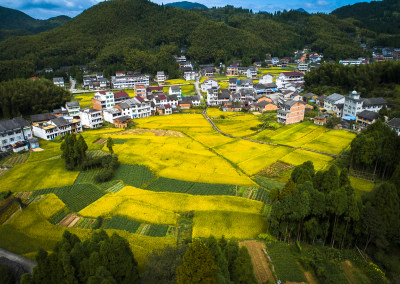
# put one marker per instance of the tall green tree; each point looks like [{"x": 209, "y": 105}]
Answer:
[
  {"x": 243, "y": 272},
  {"x": 110, "y": 144},
  {"x": 198, "y": 265}
]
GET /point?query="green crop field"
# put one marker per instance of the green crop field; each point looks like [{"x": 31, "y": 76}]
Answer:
[
  {"x": 76, "y": 197},
  {"x": 179, "y": 186},
  {"x": 285, "y": 264}
]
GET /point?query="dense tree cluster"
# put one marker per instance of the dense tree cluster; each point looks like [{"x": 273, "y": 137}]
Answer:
[
  {"x": 321, "y": 207},
  {"x": 73, "y": 151},
  {"x": 372, "y": 80},
  {"x": 99, "y": 259},
  {"x": 203, "y": 261},
  {"x": 376, "y": 150},
  {"x": 25, "y": 97},
  {"x": 210, "y": 36}
]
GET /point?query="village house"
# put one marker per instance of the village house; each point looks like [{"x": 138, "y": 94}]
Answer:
[
  {"x": 160, "y": 78},
  {"x": 56, "y": 127},
  {"x": 190, "y": 75},
  {"x": 12, "y": 131},
  {"x": 320, "y": 120},
  {"x": 111, "y": 113},
  {"x": 164, "y": 109},
  {"x": 287, "y": 78},
  {"x": 90, "y": 118},
  {"x": 103, "y": 100},
  {"x": 207, "y": 71},
  {"x": 354, "y": 104},
  {"x": 303, "y": 67},
  {"x": 72, "y": 108},
  {"x": 394, "y": 124},
  {"x": 122, "y": 81},
  {"x": 291, "y": 112},
  {"x": 188, "y": 101},
  {"x": 365, "y": 118},
  {"x": 121, "y": 96},
  {"x": 244, "y": 84},
  {"x": 266, "y": 79},
  {"x": 140, "y": 90},
  {"x": 351, "y": 61},
  {"x": 320, "y": 101},
  {"x": 154, "y": 89},
  {"x": 265, "y": 106},
  {"x": 309, "y": 97},
  {"x": 251, "y": 73},
  {"x": 334, "y": 104},
  {"x": 232, "y": 107},
  {"x": 232, "y": 84},
  {"x": 121, "y": 122},
  {"x": 59, "y": 81},
  {"x": 208, "y": 84},
  {"x": 232, "y": 70},
  {"x": 175, "y": 90}
]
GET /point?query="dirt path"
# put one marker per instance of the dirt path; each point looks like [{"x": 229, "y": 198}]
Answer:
[{"x": 260, "y": 263}]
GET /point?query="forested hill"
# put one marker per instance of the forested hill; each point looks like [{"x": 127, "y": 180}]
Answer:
[
  {"x": 382, "y": 17},
  {"x": 143, "y": 36},
  {"x": 186, "y": 5},
  {"x": 14, "y": 22}
]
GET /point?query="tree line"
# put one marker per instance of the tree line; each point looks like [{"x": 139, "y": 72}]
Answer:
[
  {"x": 109, "y": 259},
  {"x": 321, "y": 207},
  {"x": 30, "y": 96}
]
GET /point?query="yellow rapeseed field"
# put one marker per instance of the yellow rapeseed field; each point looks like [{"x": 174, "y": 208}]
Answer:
[
  {"x": 332, "y": 142},
  {"x": 37, "y": 175},
  {"x": 298, "y": 157},
  {"x": 230, "y": 224},
  {"x": 177, "y": 157}
]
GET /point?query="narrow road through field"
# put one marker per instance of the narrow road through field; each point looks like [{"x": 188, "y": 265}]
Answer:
[
  {"x": 260, "y": 142},
  {"x": 23, "y": 261},
  {"x": 260, "y": 263}
]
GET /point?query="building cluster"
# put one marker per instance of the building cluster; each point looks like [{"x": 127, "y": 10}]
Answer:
[
  {"x": 95, "y": 82},
  {"x": 307, "y": 60}
]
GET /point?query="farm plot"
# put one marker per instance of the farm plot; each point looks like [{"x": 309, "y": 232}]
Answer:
[
  {"x": 133, "y": 175},
  {"x": 116, "y": 187},
  {"x": 135, "y": 227},
  {"x": 276, "y": 169},
  {"x": 76, "y": 197},
  {"x": 84, "y": 99},
  {"x": 96, "y": 153},
  {"x": 15, "y": 159},
  {"x": 85, "y": 223},
  {"x": 239, "y": 125},
  {"x": 230, "y": 224},
  {"x": 332, "y": 142},
  {"x": 252, "y": 157},
  {"x": 254, "y": 193},
  {"x": 59, "y": 215},
  {"x": 37, "y": 175},
  {"x": 285, "y": 263},
  {"x": 179, "y": 158},
  {"x": 179, "y": 186},
  {"x": 87, "y": 176},
  {"x": 298, "y": 157}
]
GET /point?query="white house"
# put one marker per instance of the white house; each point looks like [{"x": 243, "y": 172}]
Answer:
[
  {"x": 266, "y": 79},
  {"x": 287, "y": 78},
  {"x": 91, "y": 118},
  {"x": 73, "y": 108},
  {"x": 244, "y": 84},
  {"x": 59, "y": 81},
  {"x": 140, "y": 107},
  {"x": 303, "y": 67},
  {"x": 121, "y": 81},
  {"x": 103, "y": 100},
  {"x": 189, "y": 75},
  {"x": 334, "y": 103},
  {"x": 175, "y": 90},
  {"x": 13, "y": 131},
  {"x": 208, "y": 84},
  {"x": 111, "y": 113},
  {"x": 354, "y": 104},
  {"x": 251, "y": 73},
  {"x": 394, "y": 124},
  {"x": 56, "y": 127},
  {"x": 351, "y": 61},
  {"x": 160, "y": 77}
]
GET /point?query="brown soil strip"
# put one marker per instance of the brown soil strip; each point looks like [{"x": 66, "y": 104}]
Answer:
[
  {"x": 67, "y": 220},
  {"x": 260, "y": 263},
  {"x": 73, "y": 223},
  {"x": 248, "y": 195},
  {"x": 310, "y": 278}
]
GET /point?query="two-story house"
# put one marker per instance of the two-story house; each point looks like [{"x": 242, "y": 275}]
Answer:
[
  {"x": 208, "y": 84},
  {"x": 288, "y": 78},
  {"x": 56, "y": 127},
  {"x": 251, "y": 73},
  {"x": 175, "y": 90},
  {"x": 365, "y": 118},
  {"x": 59, "y": 81},
  {"x": 160, "y": 77},
  {"x": 334, "y": 103},
  {"x": 190, "y": 75},
  {"x": 72, "y": 108},
  {"x": 394, "y": 124}
]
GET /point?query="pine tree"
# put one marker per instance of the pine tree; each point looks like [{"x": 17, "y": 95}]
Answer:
[
  {"x": 198, "y": 265},
  {"x": 110, "y": 144},
  {"x": 243, "y": 268}
]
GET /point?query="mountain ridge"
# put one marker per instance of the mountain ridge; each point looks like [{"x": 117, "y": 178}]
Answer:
[{"x": 186, "y": 5}]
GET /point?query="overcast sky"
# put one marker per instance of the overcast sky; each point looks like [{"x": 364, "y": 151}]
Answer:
[{"x": 44, "y": 9}]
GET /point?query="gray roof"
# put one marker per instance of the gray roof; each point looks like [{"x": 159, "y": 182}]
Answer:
[
  {"x": 91, "y": 110},
  {"x": 172, "y": 97},
  {"x": 14, "y": 123},
  {"x": 175, "y": 88},
  {"x": 123, "y": 105},
  {"x": 246, "y": 81},
  {"x": 369, "y": 115},
  {"x": 224, "y": 96},
  {"x": 60, "y": 121},
  {"x": 309, "y": 95},
  {"x": 263, "y": 103},
  {"x": 394, "y": 122},
  {"x": 42, "y": 117},
  {"x": 123, "y": 118},
  {"x": 58, "y": 79},
  {"x": 72, "y": 104},
  {"x": 334, "y": 97},
  {"x": 289, "y": 103},
  {"x": 374, "y": 102},
  {"x": 232, "y": 80}
]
